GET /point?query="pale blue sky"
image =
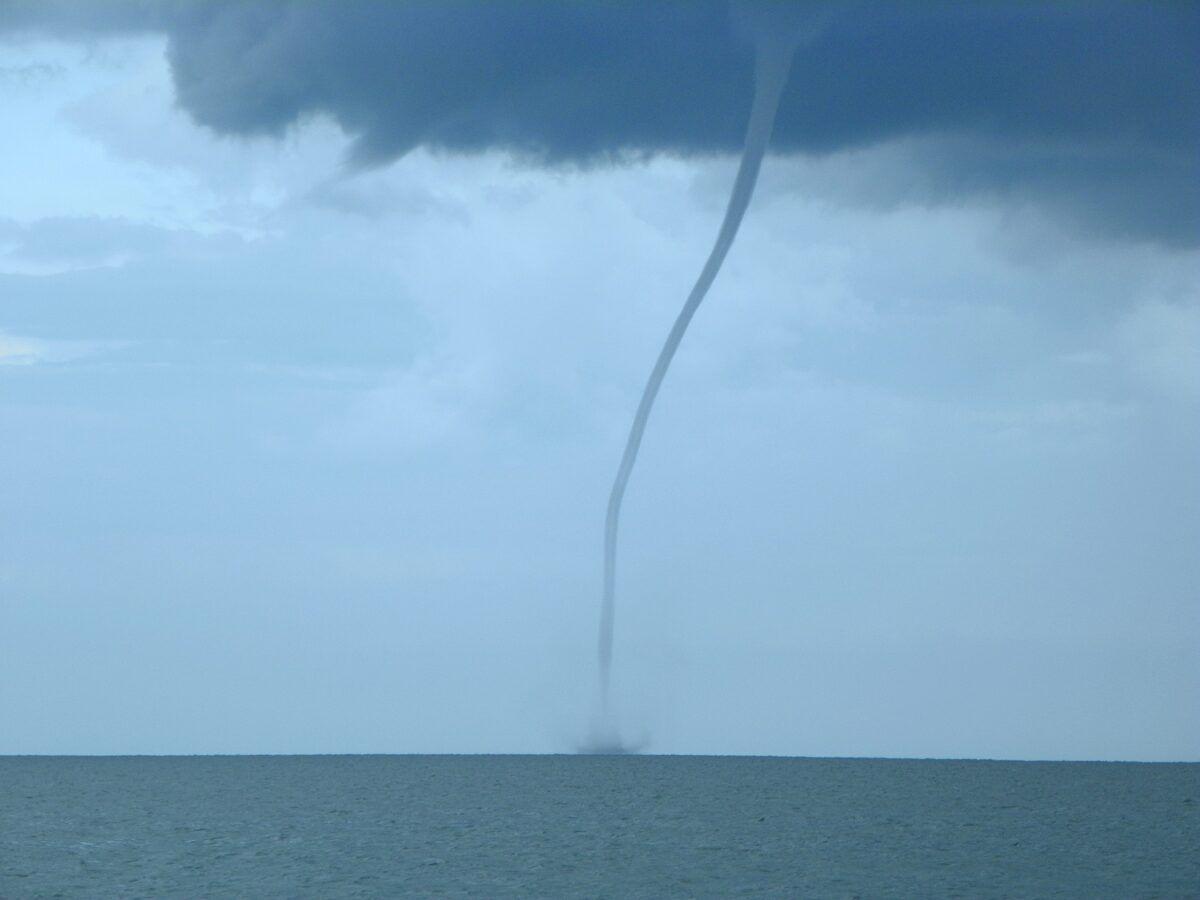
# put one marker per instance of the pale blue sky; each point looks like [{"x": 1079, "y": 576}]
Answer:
[{"x": 299, "y": 459}]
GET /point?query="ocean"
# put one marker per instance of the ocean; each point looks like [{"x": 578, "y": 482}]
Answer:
[{"x": 594, "y": 826}]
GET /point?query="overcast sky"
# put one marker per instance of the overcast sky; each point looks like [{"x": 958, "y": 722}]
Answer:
[{"x": 321, "y": 327}]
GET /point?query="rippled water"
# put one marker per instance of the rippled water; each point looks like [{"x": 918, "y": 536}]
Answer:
[{"x": 492, "y": 826}]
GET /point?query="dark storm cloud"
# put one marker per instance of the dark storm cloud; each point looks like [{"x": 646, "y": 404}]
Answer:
[
  {"x": 83, "y": 17},
  {"x": 1093, "y": 106}
]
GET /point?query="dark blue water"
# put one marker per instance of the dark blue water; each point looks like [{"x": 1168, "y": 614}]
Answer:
[{"x": 558, "y": 826}]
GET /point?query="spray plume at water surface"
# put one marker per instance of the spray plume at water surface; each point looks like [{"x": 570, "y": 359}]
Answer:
[{"x": 776, "y": 33}]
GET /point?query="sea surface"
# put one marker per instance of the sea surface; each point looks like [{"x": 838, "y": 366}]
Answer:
[{"x": 594, "y": 826}]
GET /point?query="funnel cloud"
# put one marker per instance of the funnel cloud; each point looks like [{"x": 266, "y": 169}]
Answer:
[{"x": 774, "y": 50}]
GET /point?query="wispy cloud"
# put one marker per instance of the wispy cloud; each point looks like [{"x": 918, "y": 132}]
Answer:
[
  {"x": 430, "y": 405},
  {"x": 16, "y": 350},
  {"x": 1160, "y": 343}
]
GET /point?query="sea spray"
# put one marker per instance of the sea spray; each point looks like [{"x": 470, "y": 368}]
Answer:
[{"x": 775, "y": 42}]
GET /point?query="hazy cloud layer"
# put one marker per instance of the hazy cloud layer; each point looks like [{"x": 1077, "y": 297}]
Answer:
[
  {"x": 61, "y": 244},
  {"x": 1092, "y": 107}
]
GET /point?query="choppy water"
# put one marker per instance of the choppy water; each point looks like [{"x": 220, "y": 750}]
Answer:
[{"x": 494, "y": 826}]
